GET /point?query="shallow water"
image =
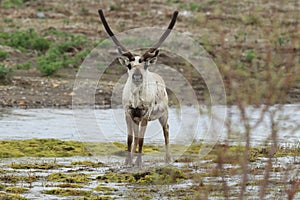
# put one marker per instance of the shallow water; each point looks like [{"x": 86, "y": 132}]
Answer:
[
  {"x": 279, "y": 181},
  {"x": 186, "y": 124}
]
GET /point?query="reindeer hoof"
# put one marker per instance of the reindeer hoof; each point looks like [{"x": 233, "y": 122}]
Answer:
[
  {"x": 138, "y": 161},
  {"x": 168, "y": 159},
  {"x": 128, "y": 160}
]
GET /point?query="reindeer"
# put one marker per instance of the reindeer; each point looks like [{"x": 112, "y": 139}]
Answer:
[{"x": 144, "y": 95}]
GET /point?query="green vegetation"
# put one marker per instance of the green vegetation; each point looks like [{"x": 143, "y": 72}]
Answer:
[
  {"x": 58, "y": 148},
  {"x": 17, "y": 190},
  {"x": 67, "y": 192},
  {"x": 8, "y": 196},
  {"x": 68, "y": 52},
  {"x": 96, "y": 197},
  {"x": 164, "y": 175},
  {"x": 70, "y": 185},
  {"x": 11, "y": 3},
  {"x": 13, "y": 179},
  {"x": 4, "y": 72},
  {"x": 172, "y": 1},
  {"x": 68, "y": 178},
  {"x": 64, "y": 50},
  {"x": 41, "y": 148},
  {"x": 88, "y": 163},
  {"x": 145, "y": 182},
  {"x": 3, "y": 55},
  {"x": 25, "y": 66},
  {"x": 44, "y": 166},
  {"x": 235, "y": 154},
  {"x": 24, "y": 40},
  {"x": 106, "y": 190},
  {"x": 194, "y": 6}
]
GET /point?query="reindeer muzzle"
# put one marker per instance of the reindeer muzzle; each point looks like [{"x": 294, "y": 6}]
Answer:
[{"x": 137, "y": 77}]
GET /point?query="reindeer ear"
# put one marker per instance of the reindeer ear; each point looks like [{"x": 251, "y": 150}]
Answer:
[
  {"x": 123, "y": 61},
  {"x": 152, "y": 60}
]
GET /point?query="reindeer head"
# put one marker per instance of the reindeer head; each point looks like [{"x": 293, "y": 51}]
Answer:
[
  {"x": 138, "y": 65},
  {"x": 137, "y": 69}
]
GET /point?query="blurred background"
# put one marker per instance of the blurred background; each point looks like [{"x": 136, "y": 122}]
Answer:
[{"x": 255, "y": 44}]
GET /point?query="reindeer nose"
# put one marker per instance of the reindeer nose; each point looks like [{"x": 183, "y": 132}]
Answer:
[{"x": 137, "y": 77}]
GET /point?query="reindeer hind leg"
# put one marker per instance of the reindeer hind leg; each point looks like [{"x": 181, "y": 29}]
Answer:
[{"x": 164, "y": 123}]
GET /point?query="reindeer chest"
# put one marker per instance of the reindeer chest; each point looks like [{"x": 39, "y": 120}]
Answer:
[
  {"x": 138, "y": 106},
  {"x": 137, "y": 114}
]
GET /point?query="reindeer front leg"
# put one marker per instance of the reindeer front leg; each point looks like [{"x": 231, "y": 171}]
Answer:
[
  {"x": 129, "y": 122},
  {"x": 136, "y": 137},
  {"x": 142, "y": 131}
]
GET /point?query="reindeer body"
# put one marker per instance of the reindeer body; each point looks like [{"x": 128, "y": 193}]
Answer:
[
  {"x": 144, "y": 96},
  {"x": 144, "y": 99},
  {"x": 148, "y": 100}
]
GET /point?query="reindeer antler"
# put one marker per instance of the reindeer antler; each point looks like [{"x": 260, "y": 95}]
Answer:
[
  {"x": 151, "y": 52},
  {"x": 121, "y": 48}
]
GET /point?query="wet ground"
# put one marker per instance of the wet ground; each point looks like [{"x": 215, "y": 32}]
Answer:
[
  {"x": 215, "y": 175},
  {"x": 107, "y": 178}
]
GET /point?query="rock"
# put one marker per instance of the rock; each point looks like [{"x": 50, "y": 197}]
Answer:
[{"x": 40, "y": 15}]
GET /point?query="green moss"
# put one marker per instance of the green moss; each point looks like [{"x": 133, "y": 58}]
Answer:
[
  {"x": 233, "y": 154},
  {"x": 98, "y": 197},
  {"x": 8, "y": 196},
  {"x": 105, "y": 190},
  {"x": 17, "y": 190},
  {"x": 290, "y": 151},
  {"x": 98, "y": 148},
  {"x": 118, "y": 149},
  {"x": 88, "y": 163},
  {"x": 2, "y": 187},
  {"x": 164, "y": 175},
  {"x": 58, "y": 148},
  {"x": 45, "y": 166},
  {"x": 70, "y": 185},
  {"x": 41, "y": 148},
  {"x": 68, "y": 178},
  {"x": 13, "y": 179},
  {"x": 10, "y": 179},
  {"x": 117, "y": 178},
  {"x": 67, "y": 192}
]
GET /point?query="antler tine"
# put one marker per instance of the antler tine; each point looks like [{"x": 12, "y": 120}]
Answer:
[
  {"x": 150, "y": 51},
  {"x": 122, "y": 50}
]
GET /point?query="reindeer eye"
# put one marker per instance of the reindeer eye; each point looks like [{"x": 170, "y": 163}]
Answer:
[
  {"x": 129, "y": 66},
  {"x": 140, "y": 60}
]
